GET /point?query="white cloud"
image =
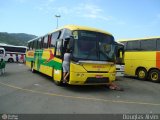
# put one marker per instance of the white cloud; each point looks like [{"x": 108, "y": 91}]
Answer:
[
  {"x": 91, "y": 11},
  {"x": 82, "y": 10},
  {"x": 45, "y": 6},
  {"x": 63, "y": 10}
]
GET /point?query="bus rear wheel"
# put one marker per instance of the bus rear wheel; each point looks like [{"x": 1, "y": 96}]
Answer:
[
  {"x": 142, "y": 74},
  {"x": 154, "y": 75},
  {"x": 10, "y": 60}
]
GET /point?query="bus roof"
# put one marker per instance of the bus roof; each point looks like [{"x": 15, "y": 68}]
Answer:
[
  {"x": 123, "y": 40},
  {"x": 3, "y": 44},
  {"x": 119, "y": 43},
  {"x": 74, "y": 27},
  {"x": 34, "y": 39},
  {"x": 77, "y": 27}
]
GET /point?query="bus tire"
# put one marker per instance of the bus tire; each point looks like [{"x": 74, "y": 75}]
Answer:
[
  {"x": 32, "y": 67},
  {"x": 10, "y": 60},
  {"x": 58, "y": 83},
  {"x": 154, "y": 75},
  {"x": 142, "y": 74}
]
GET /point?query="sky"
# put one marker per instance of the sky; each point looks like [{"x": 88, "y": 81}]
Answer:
[{"x": 122, "y": 18}]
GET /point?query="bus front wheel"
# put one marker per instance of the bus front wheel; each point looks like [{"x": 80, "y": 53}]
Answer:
[
  {"x": 154, "y": 75},
  {"x": 58, "y": 83},
  {"x": 142, "y": 74}
]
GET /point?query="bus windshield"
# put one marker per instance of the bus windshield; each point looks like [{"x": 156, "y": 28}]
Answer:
[{"x": 95, "y": 46}]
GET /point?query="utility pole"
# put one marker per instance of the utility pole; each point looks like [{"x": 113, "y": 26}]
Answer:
[{"x": 57, "y": 16}]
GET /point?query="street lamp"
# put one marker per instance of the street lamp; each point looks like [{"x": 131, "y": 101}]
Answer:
[{"x": 57, "y": 16}]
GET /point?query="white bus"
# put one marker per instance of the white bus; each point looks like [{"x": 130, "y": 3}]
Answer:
[
  {"x": 12, "y": 51},
  {"x": 2, "y": 53}
]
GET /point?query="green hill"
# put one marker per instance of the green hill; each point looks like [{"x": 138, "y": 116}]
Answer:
[{"x": 19, "y": 39}]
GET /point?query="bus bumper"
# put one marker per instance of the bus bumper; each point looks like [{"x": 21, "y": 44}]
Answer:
[{"x": 91, "y": 78}]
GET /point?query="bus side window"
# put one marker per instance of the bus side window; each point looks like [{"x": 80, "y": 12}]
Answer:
[
  {"x": 45, "y": 43},
  {"x": 54, "y": 37},
  {"x": 35, "y": 44},
  {"x": 148, "y": 45},
  {"x": 133, "y": 45},
  {"x": 28, "y": 46},
  {"x": 49, "y": 41},
  {"x": 42, "y": 41},
  {"x": 58, "y": 51},
  {"x": 66, "y": 34},
  {"x": 39, "y": 43},
  {"x": 158, "y": 44},
  {"x": 125, "y": 45},
  {"x": 32, "y": 44}
]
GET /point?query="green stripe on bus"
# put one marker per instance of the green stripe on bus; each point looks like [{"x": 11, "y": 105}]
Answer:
[
  {"x": 29, "y": 59},
  {"x": 51, "y": 63}
]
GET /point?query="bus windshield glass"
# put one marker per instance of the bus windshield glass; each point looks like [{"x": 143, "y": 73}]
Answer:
[{"x": 95, "y": 46}]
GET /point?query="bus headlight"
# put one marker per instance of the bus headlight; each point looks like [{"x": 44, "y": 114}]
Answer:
[{"x": 79, "y": 74}]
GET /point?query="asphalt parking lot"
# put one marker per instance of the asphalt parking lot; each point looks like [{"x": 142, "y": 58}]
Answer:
[{"x": 23, "y": 92}]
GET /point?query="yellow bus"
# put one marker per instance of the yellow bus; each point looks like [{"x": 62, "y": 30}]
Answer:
[
  {"x": 92, "y": 55},
  {"x": 142, "y": 58}
]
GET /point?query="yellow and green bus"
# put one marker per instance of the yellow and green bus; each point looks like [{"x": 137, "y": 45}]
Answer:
[
  {"x": 92, "y": 55},
  {"x": 142, "y": 58}
]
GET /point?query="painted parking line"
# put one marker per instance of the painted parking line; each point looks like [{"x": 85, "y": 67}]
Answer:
[{"x": 78, "y": 97}]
